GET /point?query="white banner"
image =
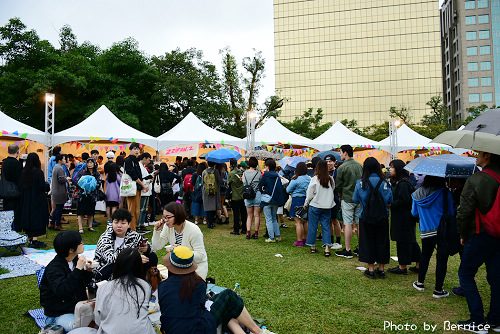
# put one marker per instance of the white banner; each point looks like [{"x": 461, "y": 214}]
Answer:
[{"x": 188, "y": 150}]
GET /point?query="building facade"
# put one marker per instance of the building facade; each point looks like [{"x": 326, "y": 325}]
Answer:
[
  {"x": 355, "y": 59},
  {"x": 470, "y": 35}
]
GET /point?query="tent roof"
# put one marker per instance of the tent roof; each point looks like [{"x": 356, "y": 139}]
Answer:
[
  {"x": 191, "y": 130},
  {"x": 339, "y": 134},
  {"x": 103, "y": 124},
  {"x": 408, "y": 139},
  {"x": 12, "y": 126},
  {"x": 272, "y": 132}
]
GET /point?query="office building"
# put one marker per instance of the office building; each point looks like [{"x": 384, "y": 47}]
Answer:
[{"x": 355, "y": 59}]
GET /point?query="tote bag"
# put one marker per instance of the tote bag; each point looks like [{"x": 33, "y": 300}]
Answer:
[{"x": 128, "y": 187}]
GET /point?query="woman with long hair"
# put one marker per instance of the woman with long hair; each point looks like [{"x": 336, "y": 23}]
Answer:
[
  {"x": 166, "y": 178},
  {"x": 222, "y": 168},
  {"x": 297, "y": 188},
  {"x": 428, "y": 205},
  {"x": 32, "y": 212},
  {"x": 197, "y": 209},
  {"x": 113, "y": 179},
  {"x": 251, "y": 177},
  {"x": 374, "y": 243},
  {"x": 182, "y": 301},
  {"x": 120, "y": 163},
  {"x": 402, "y": 221},
  {"x": 320, "y": 200},
  {"x": 88, "y": 198}
]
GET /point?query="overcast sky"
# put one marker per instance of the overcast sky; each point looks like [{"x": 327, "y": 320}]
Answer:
[{"x": 158, "y": 25}]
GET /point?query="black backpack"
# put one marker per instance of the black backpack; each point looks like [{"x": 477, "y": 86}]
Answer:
[
  {"x": 248, "y": 191},
  {"x": 166, "y": 189},
  {"x": 375, "y": 210},
  {"x": 448, "y": 237}
]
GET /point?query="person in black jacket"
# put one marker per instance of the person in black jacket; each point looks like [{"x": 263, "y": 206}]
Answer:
[
  {"x": 133, "y": 169},
  {"x": 64, "y": 280},
  {"x": 11, "y": 171},
  {"x": 402, "y": 221}
]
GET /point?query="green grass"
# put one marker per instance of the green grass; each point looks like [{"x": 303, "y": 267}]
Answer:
[
  {"x": 4, "y": 271},
  {"x": 299, "y": 293}
]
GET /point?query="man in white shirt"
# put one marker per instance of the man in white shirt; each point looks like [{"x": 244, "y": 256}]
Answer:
[{"x": 144, "y": 160}]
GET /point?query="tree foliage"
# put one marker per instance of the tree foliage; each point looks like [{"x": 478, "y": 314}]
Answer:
[{"x": 309, "y": 124}]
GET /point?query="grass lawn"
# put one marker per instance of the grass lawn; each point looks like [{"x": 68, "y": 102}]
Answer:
[{"x": 298, "y": 293}]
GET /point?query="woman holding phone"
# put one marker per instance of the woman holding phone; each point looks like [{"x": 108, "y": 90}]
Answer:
[
  {"x": 180, "y": 232},
  {"x": 117, "y": 237}
]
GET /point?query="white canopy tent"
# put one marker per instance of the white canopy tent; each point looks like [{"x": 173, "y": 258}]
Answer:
[
  {"x": 191, "y": 130},
  {"x": 411, "y": 140},
  {"x": 104, "y": 125},
  {"x": 339, "y": 134},
  {"x": 12, "y": 128},
  {"x": 272, "y": 132}
]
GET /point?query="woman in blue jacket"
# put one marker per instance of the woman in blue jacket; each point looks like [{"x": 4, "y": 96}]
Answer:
[
  {"x": 270, "y": 184},
  {"x": 297, "y": 188},
  {"x": 428, "y": 205},
  {"x": 374, "y": 244}
]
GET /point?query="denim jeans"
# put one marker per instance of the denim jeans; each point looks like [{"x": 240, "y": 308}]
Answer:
[
  {"x": 57, "y": 215},
  {"x": 66, "y": 321},
  {"x": 481, "y": 248},
  {"x": 318, "y": 216},
  {"x": 143, "y": 210},
  {"x": 271, "y": 214}
]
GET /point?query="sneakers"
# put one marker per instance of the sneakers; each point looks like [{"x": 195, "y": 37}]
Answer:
[
  {"x": 414, "y": 269},
  {"x": 336, "y": 245},
  {"x": 298, "y": 243},
  {"x": 36, "y": 244},
  {"x": 370, "y": 274},
  {"x": 472, "y": 326},
  {"x": 356, "y": 251},
  {"x": 52, "y": 329},
  {"x": 419, "y": 287},
  {"x": 495, "y": 328},
  {"x": 248, "y": 237},
  {"x": 397, "y": 270},
  {"x": 380, "y": 273},
  {"x": 344, "y": 253},
  {"x": 278, "y": 239},
  {"x": 211, "y": 225},
  {"x": 235, "y": 233},
  {"x": 458, "y": 291},
  {"x": 283, "y": 225},
  {"x": 267, "y": 331},
  {"x": 441, "y": 294},
  {"x": 255, "y": 236},
  {"x": 269, "y": 240}
]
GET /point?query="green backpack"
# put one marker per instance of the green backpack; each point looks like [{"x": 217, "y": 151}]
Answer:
[{"x": 210, "y": 183}]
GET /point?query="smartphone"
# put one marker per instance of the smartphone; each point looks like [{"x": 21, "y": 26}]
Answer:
[{"x": 144, "y": 242}]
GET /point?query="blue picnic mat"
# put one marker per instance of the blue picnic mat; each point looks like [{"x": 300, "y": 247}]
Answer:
[{"x": 18, "y": 266}]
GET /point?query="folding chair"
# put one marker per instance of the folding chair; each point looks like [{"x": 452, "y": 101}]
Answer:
[{"x": 10, "y": 239}]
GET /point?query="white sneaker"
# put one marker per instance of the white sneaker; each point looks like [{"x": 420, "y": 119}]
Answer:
[
  {"x": 196, "y": 222},
  {"x": 267, "y": 331},
  {"x": 204, "y": 222},
  {"x": 336, "y": 245}
]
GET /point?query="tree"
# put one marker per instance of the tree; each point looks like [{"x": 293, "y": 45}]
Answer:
[
  {"x": 376, "y": 132},
  {"x": 309, "y": 124},
  {"x": 403, "y": 114},
  {"x": 352, "y": 125},
  {"x": 475, "y": 112},
  {"x": 439, "y": 116}
]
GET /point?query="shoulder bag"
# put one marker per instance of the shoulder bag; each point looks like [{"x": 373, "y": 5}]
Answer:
[
  {"x": 266, "y": 198},
  {"x": 128, "y": 187}
]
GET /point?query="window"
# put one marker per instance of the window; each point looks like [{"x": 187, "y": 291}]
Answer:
[
  {"x": 485, "y": 65},
  {"x": 482, "y": 3},
  {"x": 487, "y": 97},
  {"x": 473, "y": 82},
  {"x": 471, "y": 35},
  {"x": 485, "y": 81},
  {"x": 470, "y": 4},
  {"x": 484, "y": 18},
  {"x": 472, "y": 66},
  {"x": 484, "y": 34},
  {"x": 473, "y": 97},
  {"x": 472, "y": 51},
  {"x": 470, "y": 19},
  {"x": 485, "y": 50}
]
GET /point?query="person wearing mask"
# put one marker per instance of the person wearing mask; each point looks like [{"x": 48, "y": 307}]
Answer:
[
  {"x": 59, "y": 192},
  {"x": 251, "y": 177},
  {"x": 402, "y": 221},
  {"x": 11, "y": 171},
  {"x": 297, "y": 188},
  {"x": 348, "y": 174},
  {"x": 428, "y": 206},
  {"x": 334, "y": 222},
  {"x": 147, "y": 177},
  {"x": 270, "y": 184},
  {"x": 132, "y": 168},
  {"x": 211, "y": 180},
  {"x": 374, "y": 230},
  {"x": 237, "y": 202}
]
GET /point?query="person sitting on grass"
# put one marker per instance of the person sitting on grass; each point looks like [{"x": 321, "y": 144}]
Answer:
[
  {"x": 118, "y": 236},
  {"x": 64, "y": 280},
  {"x": 182, "y": 301}
]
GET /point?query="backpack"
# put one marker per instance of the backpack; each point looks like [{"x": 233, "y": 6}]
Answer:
[
  {"x": 196, "y": 194},
  {"x": 448, "y": 237},
  {"x": 187, "y": 185},
  {"x": 490, "y": 220},
  {"x": 248, "y": 191},
  {"x": 79, "y": 167},
  {"x": 375, "y": 210},
  {"x": 210, "y": 183},
  {"x": 166, "y": 188}
]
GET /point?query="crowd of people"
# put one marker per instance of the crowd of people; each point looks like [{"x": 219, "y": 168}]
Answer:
[{"x": 377, "y": 204}]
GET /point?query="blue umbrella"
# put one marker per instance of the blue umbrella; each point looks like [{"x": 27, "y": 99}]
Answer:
[
  {"x": 222, "y": 155},
  {"x": 291, "y": 161},
  {"x": 445, "y": 165},
  {"x": 323, "y": 154}
]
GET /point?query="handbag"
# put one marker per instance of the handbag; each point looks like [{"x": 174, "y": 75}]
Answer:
[
  {"x": 84, "y": 314},
  {"x": 8, "y": 189},
  {"x": 300, "y": 212},
  {"x": 157, "y": 185},
  {"x": 101, "y": 196},
  {"x": 266, "y": 198},
  {"x": 448, "y": 237},
  {"x": 128, "y": 187}
]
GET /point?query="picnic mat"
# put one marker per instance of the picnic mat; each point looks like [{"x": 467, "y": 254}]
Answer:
[
  {"x": 43, "y": 257},
  {"x": 18, "y": 266}
]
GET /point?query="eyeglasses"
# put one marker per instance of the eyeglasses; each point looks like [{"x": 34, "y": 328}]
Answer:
[{"x": 168, "y": 217}]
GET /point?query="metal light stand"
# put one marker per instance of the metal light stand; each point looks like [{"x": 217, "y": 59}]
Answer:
[
  {"x": 393, "y": 136},
  {"x": 50, "y": 107},
  {"x": 250, "y": 131}
]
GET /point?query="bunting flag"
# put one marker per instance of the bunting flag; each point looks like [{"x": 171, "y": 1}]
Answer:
[
  {"x": 24, "y": 135},
  {"x": 5, "y": 132},
  {"x": 78, "y": 145},
  {"x": 15, "y": 133},
  {"x": 263, "y": 144},
  {"x": 206, "y": 141},
  {"x": 114, "y": 141},
  {"x": 222, "y": 142},
  {"x": 133, "y": 140}
]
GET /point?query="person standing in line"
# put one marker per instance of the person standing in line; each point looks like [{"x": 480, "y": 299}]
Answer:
[
  {"x": 237, "y": 203},
  {"x": 197, "y": 194},
  {"x": 252, "y": 177},
  {"x": 144, "y": 160},
  {"x": 211, "y": 193},
  {"x": 113, "y": 180},
  {"x": 334, "y": 222},
  {"x": 110, "y": 155},
  {"x": 188, "y": 185},
  {"x": 478, "y": 197},
  {"x": 87, "y": 198},
  {"x": 297, "y": 188},
  {"x": 11, "y": 171},
  {"x": 52, "y": 162},
  {"x": 59, "y": 193},
  {"x": 222, "y": 168},
  {"x": 348, "y": 174},
  {"x": 120, "y": 163},
  {"x": 133, "y": 169}
]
